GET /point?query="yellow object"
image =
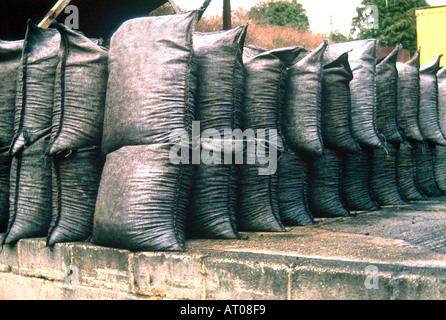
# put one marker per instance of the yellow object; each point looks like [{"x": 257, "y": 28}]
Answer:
[{"x": 431, "y": 33}]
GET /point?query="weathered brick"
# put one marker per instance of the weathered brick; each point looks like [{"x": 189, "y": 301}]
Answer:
[
  {"x": 171, "y": 275},
  {"x": 101, "y": 267},
  {"x": 38, "y": 260},
  {"x": 15, "y": 287},
  {"x": 245, "y": 275},
  {"x": 9, "y": 261}
]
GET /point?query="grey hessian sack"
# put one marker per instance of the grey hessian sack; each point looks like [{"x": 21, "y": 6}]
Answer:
[
  {"x": 5, "y": 167},
  {"x": 75, "y": 182},
  {"x": 218, "y": 103},
  {"x": 30, "y": 178},
  {"x": 10, "y": 55},
  {"x": 30, "y": 193},
  {"x": 142, "y": 200},
  {"x": 408, "y": 96},
  {"x": 79, "y": 97},
  {"x": 151, "y": 83},
  {"x": 426, "y": 181},
  {"x": 301, "y": 122},
  {"x": 336, "y": 105},
  {"x": 384, "y": 178},
  {"x": 35, "y": 86},
  {"x": 266, "y": 73},
  {"x": 386, "y": 94},
  {"x": 440, "y": 167},
  {"x": 357, "y": 169},
  {"x": 324, "y": 191},
  {"x": 362, "y": 59},
  {"x": 407, "y": 172},
  {"x": 441, "y": 82},
  {"x": 429, "y": 111}
]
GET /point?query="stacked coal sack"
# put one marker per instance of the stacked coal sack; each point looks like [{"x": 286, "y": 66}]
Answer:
[
  {"x": 76, "y": 133},
  {"x": 30, "y": 175},
  {"x": 440, "y": 151},
  {"x": 262, "y": 204},
  {"x": 219, "y": 101},
  {"x": 384, "y": 179},
  {"x": 302, "y": 130},
  {"x": 10, "y": 55},
  {"x": 356, "y": 169},
  {"x": 144, "y": 188},
  {"x": 326, "y": 171},
  {"x": 430, "y": 129},
  {"x": 408, "y": 103}
]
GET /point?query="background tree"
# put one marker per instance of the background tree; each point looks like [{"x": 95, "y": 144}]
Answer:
[
  {"x": 397, "y": 22},
  {"x": 281, "y": 13}
]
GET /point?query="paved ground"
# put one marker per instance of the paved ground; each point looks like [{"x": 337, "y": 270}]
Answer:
[{"x": 394, "y": 253}]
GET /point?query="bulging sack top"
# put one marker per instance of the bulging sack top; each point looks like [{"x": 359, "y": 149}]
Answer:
[
  {"x": 362, "y": 59},
  {"x": 79, "y": 97},
  {"x": 151, "y": 83},
  {"x": 301, "y": 118},
  {"x": 386, "y": 89},
  {"x": 10, "y": 55},
  {"x": 220, "y": 75},
  {"x": 265, "y": 84},
  {"x": 441, "y": 79},
  {"x": 35, "y": 84},
  {"x": 408, "y": 96},
  {"x": 429, "y": 113}
]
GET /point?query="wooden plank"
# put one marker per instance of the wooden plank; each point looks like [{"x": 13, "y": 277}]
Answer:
[
  {"x": 203, "y": 8},
  {"x": 55, "y": 11},
  {"x": 226, "y": 14},
  {"x": 174, "y": 6}
]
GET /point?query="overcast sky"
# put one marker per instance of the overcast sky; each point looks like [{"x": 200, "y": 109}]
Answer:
[{"x": 318, "y": 11}]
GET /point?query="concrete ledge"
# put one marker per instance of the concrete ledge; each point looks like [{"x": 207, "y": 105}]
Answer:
[{"x": 334, "y": 259}]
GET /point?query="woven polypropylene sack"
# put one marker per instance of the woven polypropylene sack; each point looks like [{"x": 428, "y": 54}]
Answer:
[
  {"x": 425, "y": 176},
  {"x": 384, "y": 181},
  {"x": 5, "y": 164},
  {"x": 250, "y": 51},
  {"x": 257, "y": 205},
  {"x": 440, "y": 167},
  {"x": 292, "y": 189},
  {"x": 79, "y": 97},
  {"x": 212, "y": 206},
  {"x": 301, "y": 121},
  {"x": 265, "y": 82},
  {"x": 75, "y": 184},
  {"x": 142, "y": 200},
  {"x": 35, "y": 85},
  {"x": 429, "y": 112},
  {"x": 407, "y": 171},
  {"x": 355, "y": 186},
  {"x": 30, "y": 193},
  {"x": 336, "y": 119},
  {"x": 266, "y": 74},
  {"x": 220, "y": 90},
  {"x": 324, "y": 189},
  {"x": 386, "y": 94},
  {"x": 220, "y": 74},
  {"x": 151, "y": 83},
  {"x": 441, "y": 81},
  {"x": 10, "y": 55},
  {"x": 362, "y": 59},
  {"x": 408, "y": 98}
]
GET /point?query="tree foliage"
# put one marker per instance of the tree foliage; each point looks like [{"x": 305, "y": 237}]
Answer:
[
  {"x": 397, "y": 22},
  {"x": 281, "y": 13}
]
